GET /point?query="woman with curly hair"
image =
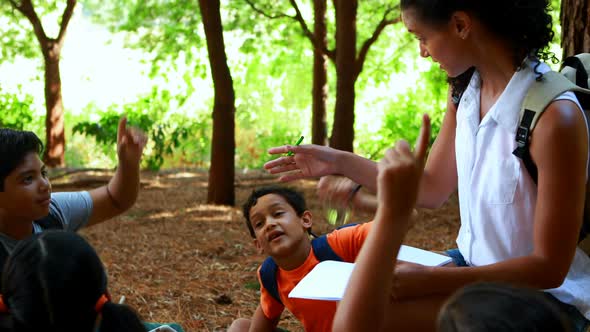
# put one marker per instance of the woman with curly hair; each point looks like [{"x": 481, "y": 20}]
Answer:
[{"x": 514, "y": 228}]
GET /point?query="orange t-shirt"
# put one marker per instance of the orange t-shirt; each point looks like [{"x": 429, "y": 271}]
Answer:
[{"x": 315, "y": 315}]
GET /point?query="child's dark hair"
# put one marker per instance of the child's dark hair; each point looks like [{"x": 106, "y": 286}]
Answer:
[
  {"x": 525, "y": 25},
  {"x": 52, "y": 281},
  {"x": 14, "y": 146},
  {"x": 490, "y": 307},
  {"x": 294, "y": 198}
]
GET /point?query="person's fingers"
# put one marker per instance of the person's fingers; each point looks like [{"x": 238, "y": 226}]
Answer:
[
  {"x": 391, "y": 155},
  {"x": 122, "y": 128},
  {"x": 283, "y": 168},
  {"x": 281, "y": 161},
  {"x": 423, "y": 139},
  {"x": 291, "y": 176},
  {"x": 279, "y": 149},
  {"x": 402, "y": 148},
  {"x": 288, "y": 148},
  {"x": 123, "y": 140}
]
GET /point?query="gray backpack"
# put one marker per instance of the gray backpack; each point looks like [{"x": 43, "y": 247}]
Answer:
[{"x": 574, "y": 76}]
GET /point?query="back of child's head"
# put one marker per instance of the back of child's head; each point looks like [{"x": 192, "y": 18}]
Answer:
[
  {"x": 14, "y": 146},
  {"x": 55, "y": 281},
  {"x": 291, "y": 196},
  {"x": 489, "y": 307}
]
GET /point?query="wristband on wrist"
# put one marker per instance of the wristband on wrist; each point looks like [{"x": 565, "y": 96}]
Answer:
[{"x": 353, "y": 192}]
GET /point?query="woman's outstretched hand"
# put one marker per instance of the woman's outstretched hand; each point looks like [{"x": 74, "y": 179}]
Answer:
[{"x": 309, "y": 160}]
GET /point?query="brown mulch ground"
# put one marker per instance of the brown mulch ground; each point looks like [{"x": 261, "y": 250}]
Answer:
[{"x": 176, "y": 259}]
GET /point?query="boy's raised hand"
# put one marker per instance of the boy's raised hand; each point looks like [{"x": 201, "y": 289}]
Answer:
[
  {"x": 130, "y": 144},
  {"x": 399, "y": 174}
]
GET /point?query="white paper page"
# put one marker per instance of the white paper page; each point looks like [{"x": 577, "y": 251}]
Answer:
[
  {"x": 421, "y": 256},
  {"x": 327, "y": 281}
]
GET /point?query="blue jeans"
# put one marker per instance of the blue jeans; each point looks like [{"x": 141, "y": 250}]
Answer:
[{"x": 579, "y": 322}]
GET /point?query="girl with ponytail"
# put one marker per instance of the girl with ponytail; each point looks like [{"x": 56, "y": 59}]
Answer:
[{"x": 54, "y": 281}]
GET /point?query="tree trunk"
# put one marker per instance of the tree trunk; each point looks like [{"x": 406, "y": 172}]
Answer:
[
  {"x": 55, "y": 143},
  {"x": 320, "y": 81},
  {"x": 343, "y": 128},
  {"x": 575, "y": 27},
  {"x": 221, "y": 172}
]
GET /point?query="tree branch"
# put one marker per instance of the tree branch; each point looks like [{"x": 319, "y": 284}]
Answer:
[
  {"x": 316, "y": 44},
  {"x": 378, "y": 30},
  {"x": 264, "y": 13},
  {"x": 26, "y": 8},
  {"x": 299, "y": 18},
  {"x": 65, "y": 20}
]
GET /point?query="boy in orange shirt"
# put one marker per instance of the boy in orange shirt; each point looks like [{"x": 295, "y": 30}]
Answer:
[{"x": 280, "y": 224}]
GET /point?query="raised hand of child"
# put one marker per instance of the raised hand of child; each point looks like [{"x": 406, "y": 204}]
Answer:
[
  {"x": 399, "y": 174},
  {"x": 335, "y": 190},
  {"x": 309, "y": 160},
  {"x": 130, "y": 144}
]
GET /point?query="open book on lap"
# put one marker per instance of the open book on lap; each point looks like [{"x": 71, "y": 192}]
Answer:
[{"x": 327, "y": 281}]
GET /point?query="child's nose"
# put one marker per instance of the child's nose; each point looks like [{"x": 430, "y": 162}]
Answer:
[
  {"x": 423, "y": 52},
  {"x": 45, "y": 185},
  {"x": 271, "y": 222}
]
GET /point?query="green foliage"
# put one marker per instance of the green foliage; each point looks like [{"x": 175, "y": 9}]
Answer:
[
  {"x": 271, "y": 65},
  {"x": 169, "y": 30},
  {"x": 167, "y": 134},
  {"x": 15, "y": 112},
  {"x": 18, "y": 37},
  {"x": 403, "y": 116}
]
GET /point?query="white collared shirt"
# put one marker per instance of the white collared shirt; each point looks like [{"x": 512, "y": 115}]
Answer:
[{"x": 497, "y": 196}]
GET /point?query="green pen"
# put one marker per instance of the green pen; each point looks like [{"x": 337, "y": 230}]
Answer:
[{"x": 290, "y": 153}]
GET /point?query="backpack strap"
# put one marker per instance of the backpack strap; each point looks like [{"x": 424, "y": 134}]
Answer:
[
  {"x": 538, "y": 97},
  {"x": 541, "y": 93},
  {"x": 268, "y": 277},
  {"x": 322, "y": 249},
  {"x": 49, "y": 222}
]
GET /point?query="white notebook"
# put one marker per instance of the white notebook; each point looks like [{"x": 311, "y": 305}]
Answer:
[{"x": 327, "y": 280}]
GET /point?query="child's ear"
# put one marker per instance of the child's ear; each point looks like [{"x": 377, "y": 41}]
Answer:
[
  {"x": 258, "y": 246},
  {"x": 306, "y": 219},
  {"x": 461, "y": 24}
]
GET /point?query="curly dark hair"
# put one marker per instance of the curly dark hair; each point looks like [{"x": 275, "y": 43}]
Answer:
[{"x": 525, "y": 25}]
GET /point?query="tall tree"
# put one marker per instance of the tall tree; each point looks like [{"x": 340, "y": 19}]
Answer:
[
  {"x": 221, "y": 172},
  {"x": 349, "y": 63},
  {"x": 575, "y": 27},
  {"x": 51, "y": 50},
  {"x": 319, "y": 128},
  {"x": 170, "y": 30},
  {"x": 346, "y": 74}
]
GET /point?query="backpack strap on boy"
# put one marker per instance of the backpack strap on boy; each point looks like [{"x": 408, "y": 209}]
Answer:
[
  {"x": 268, "y": 277},
  {"x": 322, "y": 251},
  {"x": 541, "y": 93}
]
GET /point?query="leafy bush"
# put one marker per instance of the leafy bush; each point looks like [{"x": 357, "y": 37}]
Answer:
[
  {"x": 15, "y": 112},
  {"x": 167, "y": 133}
]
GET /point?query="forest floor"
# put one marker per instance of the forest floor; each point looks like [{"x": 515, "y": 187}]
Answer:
[{"x": 176, "y": 259}]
